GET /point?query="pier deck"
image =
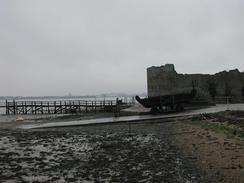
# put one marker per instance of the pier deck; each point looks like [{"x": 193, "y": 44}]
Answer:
[{"x": 60, "y": 107}]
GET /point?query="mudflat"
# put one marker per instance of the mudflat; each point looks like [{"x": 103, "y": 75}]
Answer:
[
  {"x": 142, "y": 152},
  {"x": 204, "y": 148}
]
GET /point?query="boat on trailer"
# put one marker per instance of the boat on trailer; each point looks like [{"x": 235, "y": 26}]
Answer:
[{"x": 173, "y": 102}]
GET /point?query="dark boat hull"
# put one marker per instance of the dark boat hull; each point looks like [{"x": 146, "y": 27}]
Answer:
[{"x": 175, "y": 101}]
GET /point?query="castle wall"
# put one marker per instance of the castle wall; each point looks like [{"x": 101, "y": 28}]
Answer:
[{"x": 165, "y": 80}]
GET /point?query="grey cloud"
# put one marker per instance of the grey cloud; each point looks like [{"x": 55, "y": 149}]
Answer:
[{"x": 83, "y": 47}]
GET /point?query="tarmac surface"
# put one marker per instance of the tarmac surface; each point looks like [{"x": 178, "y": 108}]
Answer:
[{"x": 212, "y": 109}]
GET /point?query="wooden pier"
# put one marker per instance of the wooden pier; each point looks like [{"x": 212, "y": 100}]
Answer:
[{"x": 60, "y": 107}]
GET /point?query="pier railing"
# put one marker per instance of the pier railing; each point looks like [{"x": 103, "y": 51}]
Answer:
[{"x": 60, "y": 107}]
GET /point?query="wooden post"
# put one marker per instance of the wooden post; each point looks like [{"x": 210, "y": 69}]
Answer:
[
  {"x": 65, "y": 107},
  {"x": 35, "y": 107},
  {"x": 95, "y": 106},
  {"x": 41, "y": 108},
  {"x": 116, "y": 111},
  {"x": 14, "y": 109},
  {"x": 79, "y": 106},
  {"x": 61, "y": 107},
  {"x": 32, "y": 107},
  {"x": 70, "y": 107},
  {"x": 104, "y": 109},
  {"x": 92, "y": 107},
  {"x": 7, "y": 107},
  {"x": 20, "y": 108},
  {"x": 48, "y": 108},
  {"x": 74, "y": 107},
  {"x": 26, "y": 108},
  {"x": 55, "y": 110}
]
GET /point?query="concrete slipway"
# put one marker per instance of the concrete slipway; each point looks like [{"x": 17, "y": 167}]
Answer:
[{"x": 138, "y": 118}]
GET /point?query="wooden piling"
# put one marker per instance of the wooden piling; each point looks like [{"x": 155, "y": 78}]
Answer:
[
  {"x": 14, "y": 109},
  {"x": 58, "y": 107},
  {"x": 6, "y": 107}
]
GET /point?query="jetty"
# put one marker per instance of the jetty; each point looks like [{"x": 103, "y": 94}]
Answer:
[{"x": 61, "y": 107}]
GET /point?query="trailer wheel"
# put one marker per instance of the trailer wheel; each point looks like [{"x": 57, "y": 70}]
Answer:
[{"x": 154, "y": 110}]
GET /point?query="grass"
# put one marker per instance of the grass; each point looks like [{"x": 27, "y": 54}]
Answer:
[{"x": 221, "y": 128}]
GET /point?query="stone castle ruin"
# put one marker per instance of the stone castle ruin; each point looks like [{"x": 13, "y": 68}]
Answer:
[{"x": 165, "y": 80}]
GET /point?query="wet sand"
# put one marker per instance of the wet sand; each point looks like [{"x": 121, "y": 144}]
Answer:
[{"x": 105, "y": 153}]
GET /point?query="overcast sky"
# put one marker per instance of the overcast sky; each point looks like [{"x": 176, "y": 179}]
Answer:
[{"x": 53, "y": 47}]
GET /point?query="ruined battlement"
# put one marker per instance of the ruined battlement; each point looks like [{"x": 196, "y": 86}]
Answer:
[
  {"x": 165, "y": 80},
  {"x": 164, "y": 68}
]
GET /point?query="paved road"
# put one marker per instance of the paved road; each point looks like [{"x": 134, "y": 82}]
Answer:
[{"x": 212, "y": 109}]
